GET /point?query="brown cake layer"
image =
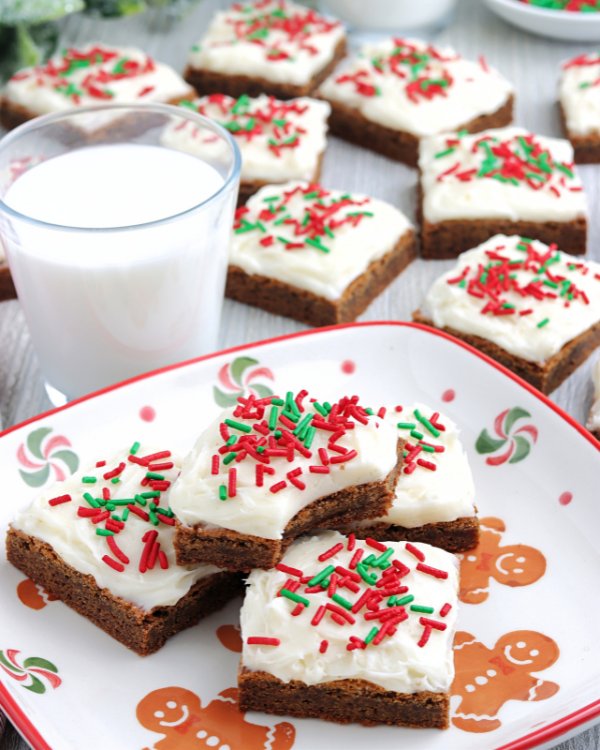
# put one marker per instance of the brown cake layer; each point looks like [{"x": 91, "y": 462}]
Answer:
[
  {"x": 212, "y": 82},
  {"x": 292, "y": 302},
  {"x": 448, "y": 239},
  {"x": 140, "y": 630},
  {"x": 7, "y": 288},
  {"x": 342, "y": 701},
  {"x": 13, "y": 114},
  {"x": 232, "y": 550},
  {"x": 249, "y": 187},
  {"x": 453, "y": 536},
  {"x": 544, "y": 376},
  {"x": 586, "y": 147},
  {"x": 351, "y": 125}
]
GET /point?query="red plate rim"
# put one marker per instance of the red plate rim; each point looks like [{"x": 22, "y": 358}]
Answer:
[{"x": 582, "y": 715}]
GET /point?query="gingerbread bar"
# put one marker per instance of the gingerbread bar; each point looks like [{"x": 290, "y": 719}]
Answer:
[
  {"x": 266, "y": 46},
  {"x": 351, "y": 631},
  {"x": 593, "y": 423},
  {"x": 102, "y": 541},
  {"x": 278, "y": 140},
  {"x": 534, "y": 309},
  {"x": 270, "y": 469},
  {"x": 506, "y": 181},
  {"x": 434, "y": 500},
  {"x": 95, "y": 74},
  {"x": 318, "y": 256},
  {"x": 398, "y": 91},
  {"x": 579, "y": 102}
]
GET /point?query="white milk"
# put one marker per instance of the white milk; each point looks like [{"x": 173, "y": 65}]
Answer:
[{"x": 104, "y": 305}]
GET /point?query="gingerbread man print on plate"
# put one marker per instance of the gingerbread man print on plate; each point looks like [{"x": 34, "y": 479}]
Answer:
[{"x": 178, "y": 715}]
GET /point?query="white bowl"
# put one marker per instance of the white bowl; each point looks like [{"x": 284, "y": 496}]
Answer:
[
  {"x": 400, "y": 15},
  {"x": 557, "y": 24}
]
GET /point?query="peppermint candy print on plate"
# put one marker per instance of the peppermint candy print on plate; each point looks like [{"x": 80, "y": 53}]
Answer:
[
  {"x": 505, "y": 181},
  {"x": 530, "y": 306},
  {"x": 316, "y": 255},
  {"x": 278, "y": 140},
  {"x": 94, "y": 74},
  {"x": 399, "y": 90},
  {"x": 266, "y": 46}
]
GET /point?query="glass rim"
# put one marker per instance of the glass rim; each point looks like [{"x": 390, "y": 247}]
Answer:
[{"x": 167, "y": 109}]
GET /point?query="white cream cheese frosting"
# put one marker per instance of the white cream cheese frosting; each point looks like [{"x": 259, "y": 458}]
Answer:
[
  {"x": 312, "y": 238},
  {"x": 579, "y": 94},
  {"x": 415, "y": 87},
  {"x": 506, "y": 173},
  {"x": 259, "y": 463},
  {"x": 276, "y": 40},
  {"x": 278, "y": 140},
  {"x": 406, "y": 655},
  {"x": 95, "y": 74},
  {"x": 126, "y": 547},
  {"x": 527, "y": 297},
  {"x": 594, "y": 418},
  {"x": 436, "y": 483}
]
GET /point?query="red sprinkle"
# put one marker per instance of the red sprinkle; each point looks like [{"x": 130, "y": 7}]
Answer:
[
  {"x": 331, "y": 552},
  {"x": 255, "y": 640},
  {"x": 60, "y": 500},
  {"x": 414, "y": 551},
  {"x": 113, "y": 563},
  {"x": 435, "y": 572}
]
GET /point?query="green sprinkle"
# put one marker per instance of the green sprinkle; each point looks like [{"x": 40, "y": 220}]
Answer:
[
  {"x": 310, "y": 436},
  {"x": 222, "y": 492},
  {"x": 419, "y": 608},
  {"x": 273, "y": 417},
  {"x": 416, "y": 434},
  {"x": 241, "y": 103},
  {"x": 367, "y": 577},
  {"x": 134, "y": 448},
  {"x": 427, "y": 448},
  {"x": 303, "y": 424},
  {"x": 382, "y": 560},
  {"x": 342, "y": 601},
  {"x": 104, "y": 532},
  {"x": 311, "y": 195},
  {"x": 232, "y": 440},
  {"x": 229, "y": 458},
  {"x": 88, "y": 498},
  {"x": 140, "y": 500},
  {"x": 277, "y": 401},
  {"x": 405, "y": 600},
  {"x": 372, "y": 633},
  {"x": 294, "y": 597},
  {"x": 325, "y": 573},
  {"x": 125, "y": 514},
  {"x": 149, "y": 495},
  {"x": 116, "y": 517},
  {"x": 544, "y": 322},
  {"x": 320, "y": 409},
  {"x": 154, "y": 475},
  {"x": 426, "y": 423},
  {"x": 406, "y": 425},
  {"x": 115, "y": 480},
  {"x": 551, "y": 284},
  {"x": 445, "y": 152},
  {"x": 89, "y": 480},
  {"x": 238, "y": 425},
  {"x": 110, "y": 506},
  {"x": 316, "y": 244}
]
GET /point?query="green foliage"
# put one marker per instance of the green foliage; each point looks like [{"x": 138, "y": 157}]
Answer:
[{"x": 28, "y": 32}]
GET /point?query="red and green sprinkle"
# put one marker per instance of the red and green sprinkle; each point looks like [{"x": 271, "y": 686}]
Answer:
[
  {"x": 103, "y": 507},
  {"x": 322, "y": 214}
]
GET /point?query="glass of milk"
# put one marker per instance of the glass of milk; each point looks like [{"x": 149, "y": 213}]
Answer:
[{"x": 117, "y": 243}]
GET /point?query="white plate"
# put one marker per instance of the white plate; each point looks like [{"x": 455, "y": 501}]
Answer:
[
  {"x": 531, "y": 661},
  {"x": 556, "y": 24}
]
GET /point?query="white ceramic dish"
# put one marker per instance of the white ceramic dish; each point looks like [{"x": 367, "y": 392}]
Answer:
[
  {"x": 527, "y": 651},
  {"x": 556, "y": 24}
]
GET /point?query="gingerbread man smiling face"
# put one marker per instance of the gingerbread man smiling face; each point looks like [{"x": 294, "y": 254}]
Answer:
[
  {"x": 512, "y": 565},
  {"x": 186, "y": 724},
  {"x": 486, "y": 678}
]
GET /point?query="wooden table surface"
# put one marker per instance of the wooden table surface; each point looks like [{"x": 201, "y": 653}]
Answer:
[{"x": 530, "y": 62}]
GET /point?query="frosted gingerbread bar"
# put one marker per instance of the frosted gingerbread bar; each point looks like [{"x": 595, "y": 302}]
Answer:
[
  {"x": 351, "y": 631},
  {"x": 94, "y": 74},
  {"x": 434, "y": 500},
  {"x": 505, "y": 181},
  {"x": 579, "y": 102},
  {"x": 593, "y": 423},
  {"x": 270, "y": 469},
  {"x": 533, "y": 308},
  {"x": 266, "y": 46},
  {"x": 316, "y": 255},
  {"x": 102, "y": 542},
  {"x": 278, "y": 140},
  {"x": 398, "y": 91}
]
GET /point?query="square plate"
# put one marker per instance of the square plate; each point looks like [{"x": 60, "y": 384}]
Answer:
[{"x": 527, "y": 652}]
